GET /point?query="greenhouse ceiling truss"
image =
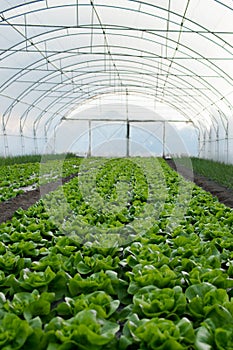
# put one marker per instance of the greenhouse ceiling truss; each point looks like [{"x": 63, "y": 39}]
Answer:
[{"x": 56, "y": 55}]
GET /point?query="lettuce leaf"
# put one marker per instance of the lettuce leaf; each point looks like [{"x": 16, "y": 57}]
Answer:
[
  {"x": 152, "y": 301},
  {"x": 85, "y": 330}
]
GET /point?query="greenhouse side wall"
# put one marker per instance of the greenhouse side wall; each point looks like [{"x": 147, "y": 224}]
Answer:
[
  {"x": 217, "y": 143},
  {"x": 230, "y": 143}
]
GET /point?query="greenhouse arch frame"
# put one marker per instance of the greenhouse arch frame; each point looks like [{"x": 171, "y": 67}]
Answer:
[{"x": 58, "y": 55}]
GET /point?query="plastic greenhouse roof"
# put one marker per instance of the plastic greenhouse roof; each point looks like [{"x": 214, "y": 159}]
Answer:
[{"x": 56, "y": 54}]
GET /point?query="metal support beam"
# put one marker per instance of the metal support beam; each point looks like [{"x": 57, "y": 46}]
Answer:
[
  {"x": 217, "y": 143},
  {"x": 164, "y": 139},
  {"x": 5, "y": 143},
  {"x": 130, "y": 120},
  {"x": 25, "y": 32},
  {"x": 127, "y": 123},
  {"x": 227, "y": 143},
  {"x": 77, "y": 13},
  {"x": 35, "y": 139},
  {"x": 22, "y": 140},
  {"x": 127, "y": 138},
  {"x": 199, "y": 143},
  {"x": 90, "y": 138}
]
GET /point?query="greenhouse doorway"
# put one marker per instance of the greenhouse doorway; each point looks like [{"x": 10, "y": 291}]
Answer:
[
  {"x": 126, "y": 139},
  {"x": 95, "y": 138}
]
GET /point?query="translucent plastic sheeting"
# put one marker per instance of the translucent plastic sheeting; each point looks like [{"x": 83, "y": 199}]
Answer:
[{"x": 58, "y": 55}]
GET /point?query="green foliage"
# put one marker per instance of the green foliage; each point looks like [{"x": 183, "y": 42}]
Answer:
[
  {"x": 152, "y": 301},
  {"x": 160, "y": 333},
  {"x": 213, "y": 170},
  {"x": 169, "y": 286},
  {"x": 34, "y": 158},
  {"x": 84, "y": 331},
  {"x": 18, "y": 177}
]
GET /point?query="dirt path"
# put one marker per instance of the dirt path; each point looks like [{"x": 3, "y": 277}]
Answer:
[{"x": 224, "y": 194}]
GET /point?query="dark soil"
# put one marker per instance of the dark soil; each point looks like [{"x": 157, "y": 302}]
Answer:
[
  {"x": 25, "y": 200},
  {"x": 29, "y": 198},
  {"x": 224, "y": 194}
]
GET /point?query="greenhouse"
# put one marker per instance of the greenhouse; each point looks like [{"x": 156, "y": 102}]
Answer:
[
  {"x": 94, "y": 69},
  {"x": 116, "y": 175}
]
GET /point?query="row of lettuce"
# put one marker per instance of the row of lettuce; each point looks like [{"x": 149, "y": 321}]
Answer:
[
  {"x": 17, "y": 178},
  {"x": 213, "y": 170},
  {"x": 110, "y": 273}
]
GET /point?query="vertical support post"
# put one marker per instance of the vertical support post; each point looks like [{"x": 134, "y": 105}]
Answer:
[
  {"x": 61, "y": 71},
  {"x": 90, "y": 138},
  {"x": 164, "y": 139},
  {"x": 54, "y": 140},
  {"x": 204, "y": 144},
  {"x": 210, "y": 144},
  {"x": 199, "y": 143},
  {"x": 5, "y": 142},
  {"x": 127, "y": 124},
  {"x": 45, "y": 136},
  {"x": 227, "y": 142},
  {"x": 168, "y": 22},
  {"x": 92, "y": 29},
  {"x": 77, "y": 14},
  {"x": 73, "y": 83},
  {"x": 127, "y": 136},
  {"x": 46, "y": 55},
  {"x": 35, "y": 140},
  {"x": 22, "y": 140},
  {"x": 25, "y": 32},
  {"x": 217, "y": 143}
]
